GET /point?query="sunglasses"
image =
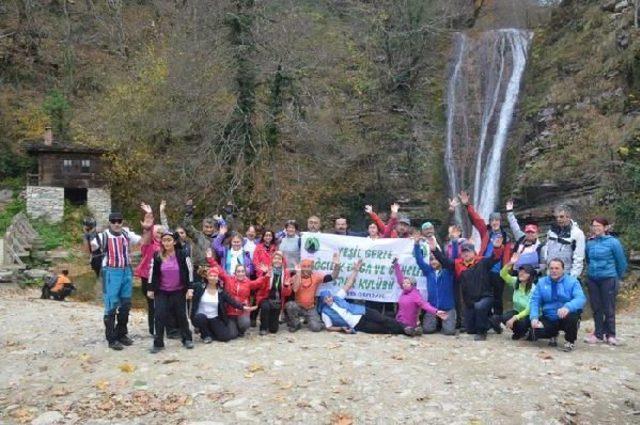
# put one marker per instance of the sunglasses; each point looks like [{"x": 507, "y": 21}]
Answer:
[{"x": 115, "y": 221}]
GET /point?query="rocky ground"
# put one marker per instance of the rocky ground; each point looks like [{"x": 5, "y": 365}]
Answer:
[{"x": 56, "y": 368}]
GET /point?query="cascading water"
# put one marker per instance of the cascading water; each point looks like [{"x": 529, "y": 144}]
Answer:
[{"x": 481, "y": 98}]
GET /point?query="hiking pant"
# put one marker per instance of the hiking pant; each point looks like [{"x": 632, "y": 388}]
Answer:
[
  {"x": 117, "y": 288},
  {"x": 238, "y": 325},
  {"x": 520, "y": 326},
  {"x": 476, "y": 316},
  {"x": 388, "y": 309},
  {"x": 270, "y": 315},
  {"x": 213, "y": 328},
  {"x": 602, "y": 297},
  {"x": 170, "y": 304},
  {"x": 374, "y": 322},
  {"x": 295, "y": 311},
  {"x": 552, "y": 328},
  {"x": 457, "y": 298},
  {"x": 498, "y": 289},
  {"x": 430, "y": 323}
]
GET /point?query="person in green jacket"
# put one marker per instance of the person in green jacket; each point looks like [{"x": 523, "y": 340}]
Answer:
[{"x": 517, "y": 319}]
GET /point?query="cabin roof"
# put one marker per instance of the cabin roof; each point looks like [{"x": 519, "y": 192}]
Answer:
[{"x": 38, "y": 147}]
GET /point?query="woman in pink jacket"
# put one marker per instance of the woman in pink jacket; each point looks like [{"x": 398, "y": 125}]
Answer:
[{"x": 411, "y": 302}]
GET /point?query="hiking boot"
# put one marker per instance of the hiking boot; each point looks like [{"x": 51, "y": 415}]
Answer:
[
  {"x": 254, "y": 323},
  {"x": 262, "y": 332},
  {"x": 553, "y": 342},
  {"x": 568, "y": 347},
  {"x": 495, "y": 324},
  {"x": 188, "y": 344},
  {"x": 155, "y": 349},
  {"x": 612, "y": 340},
  {"x": 125, "y": 340},
  {"x": 116, "y": 345},
  {"x": 480, "y": 337},
  {"x": 592, "y": 339},
  {"x": 417, "y": 331},
  {"x": 409, "y": 331},
  {"x": 207, "y": 340}
]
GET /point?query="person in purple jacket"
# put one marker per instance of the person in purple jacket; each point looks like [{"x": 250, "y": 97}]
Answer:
[
  {"x": 230, "y": 253},
  {"x": 411, "y": 302}
]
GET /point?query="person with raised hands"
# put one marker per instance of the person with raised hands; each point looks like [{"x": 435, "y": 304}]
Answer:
[
  {"x": 440, "y": 287},
  {"x": 384, "y": 230},
  {"x": 117, "y": 276},
  {"x": 230, "y": 252},
  {"x": 527, "y": 244},
  {"x": 339, "y": 315},
  {"x": 523, "y": 285}
]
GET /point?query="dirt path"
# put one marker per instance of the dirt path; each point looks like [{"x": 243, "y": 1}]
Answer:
[{"x": 56, "y": 366}]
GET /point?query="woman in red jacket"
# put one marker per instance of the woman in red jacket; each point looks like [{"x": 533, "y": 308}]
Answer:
[
  {"x": 263, "y": 254},
  {"x": 271, "y": 297},
  {"x": 239, "y": 287}
]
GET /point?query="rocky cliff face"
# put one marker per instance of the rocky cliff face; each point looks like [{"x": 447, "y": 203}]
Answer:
[{"x": 579, "y": 116}]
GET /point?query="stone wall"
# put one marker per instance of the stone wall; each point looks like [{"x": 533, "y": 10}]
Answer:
[
  {"x": 99, "y": 202},
  {"x": 45, "y": 202}
]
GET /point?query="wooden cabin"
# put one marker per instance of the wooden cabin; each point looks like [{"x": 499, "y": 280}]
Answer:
[{"x": 67, "y": 172}]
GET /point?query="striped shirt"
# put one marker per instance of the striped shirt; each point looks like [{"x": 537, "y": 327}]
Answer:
[{"x": 116, "y": 247}]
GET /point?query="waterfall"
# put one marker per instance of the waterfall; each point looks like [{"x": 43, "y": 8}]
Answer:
[{"x": 482, "y": 93}]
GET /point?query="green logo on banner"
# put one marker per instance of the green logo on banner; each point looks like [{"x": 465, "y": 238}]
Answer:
[{"x": 312, "y": 245}]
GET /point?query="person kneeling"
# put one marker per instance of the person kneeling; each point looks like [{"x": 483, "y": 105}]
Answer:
[
  {"x": 517, "y": 319},
  {"x": 560, "y": 298},
  {"x": 339, "y": 315},
  {"x": 209, "y": 308},
  {"x": 270, "y": 297}
]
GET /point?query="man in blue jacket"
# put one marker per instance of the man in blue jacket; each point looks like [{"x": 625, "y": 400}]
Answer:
[{"x": 556, "y": 304}]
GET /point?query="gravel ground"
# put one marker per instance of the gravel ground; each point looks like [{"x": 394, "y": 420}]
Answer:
[{"x": 56, "y": 368}]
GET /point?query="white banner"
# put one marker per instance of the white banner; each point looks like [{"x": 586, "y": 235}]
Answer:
[{"x": 376, "y": 280}]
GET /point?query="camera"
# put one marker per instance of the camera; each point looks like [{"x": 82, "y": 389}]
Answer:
[{"x": 89, "y": 222}]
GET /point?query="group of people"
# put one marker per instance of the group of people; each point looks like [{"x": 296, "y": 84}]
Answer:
[{"x": 224, "y": 281}]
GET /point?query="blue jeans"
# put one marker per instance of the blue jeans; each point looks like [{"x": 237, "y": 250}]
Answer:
[
  {"x": 602, "y": 297},
  {"x": 117, "y": 287},
  {"x": 476, "y": 316}
]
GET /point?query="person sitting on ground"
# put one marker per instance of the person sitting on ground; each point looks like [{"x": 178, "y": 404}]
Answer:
[
  {"x": 517, "y": 319},
  {"x": 230, "y": 253},
  {"x": 63, "y": 286},
  {"x": 170, "y": 286},
  {"x": 606, "y": 265},
  {"x": 556, "y": 304},
  {"x": 527, "y": 245},
  {"x": 239, "y": 286},
  {"x": 209, "y": 307},
  {"x": 271, "y": 296},
  {"x": 339, "y": 315},
  {"x": 411, "y": 302},
  {"x": 305, "y": 286},
  {"x": 472, "y": 271},
  {"x": 440, "y": 277}
]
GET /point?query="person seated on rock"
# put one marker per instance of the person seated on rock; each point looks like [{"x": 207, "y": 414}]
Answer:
[
  {"x": 440, "y": 278},
  {"x": 517, "y": 319},
  {"x": 63, "y": 286},
  {"x": 556, "y": 304},
  {"x": 305, "y": 286},
  {"x": 473, "y": 271},
  {"x": 339, "y": 315},
  {"x": 209, "y": 307}
]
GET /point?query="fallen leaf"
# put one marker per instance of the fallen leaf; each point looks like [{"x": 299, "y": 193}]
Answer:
[
  {"x": 59, "y": 392},
  {"x": 286, "y": 385},
  {"x": 106, "y": 405},
  {"x": 169, "y": 361},
  {"x": 341, "y": 419},
  {"x": 249, "y": 375},
  {"x": 399, "y": 357},
  {"x": 423, "y": 398},
  {"x": 256, "y": 367},
  {"x": 221, "y": 396},
  {"x": 127, "y": 367},
  {"x": 22, "y": 415},
  {"x": 345, "y": 381},
  {"x": 334, "y": 346},
  {"x": 102, "y": 384},
  {"x": 544, "y": 355}
]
